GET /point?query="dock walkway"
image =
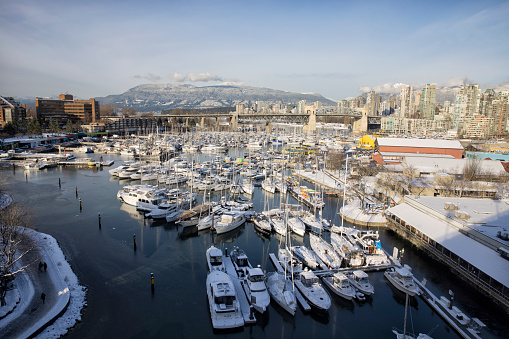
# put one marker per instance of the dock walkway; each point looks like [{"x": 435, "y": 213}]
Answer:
[
  {"x": 245, "y": 307},
  {"x": 462, "y": 324}
]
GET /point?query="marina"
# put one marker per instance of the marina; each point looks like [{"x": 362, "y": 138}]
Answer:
[{"x": 155, "y": 237}]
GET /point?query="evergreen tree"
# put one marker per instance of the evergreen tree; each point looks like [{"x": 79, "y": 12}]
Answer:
[
  {"x": 69, "y": 126},
  {"x": 54, "y": 127}
]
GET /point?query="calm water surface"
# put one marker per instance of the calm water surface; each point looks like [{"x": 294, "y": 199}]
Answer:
[{"x": 120, "y": 301}]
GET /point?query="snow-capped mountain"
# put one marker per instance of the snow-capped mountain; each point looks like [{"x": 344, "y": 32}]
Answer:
[{"x": 157, "y": 97}]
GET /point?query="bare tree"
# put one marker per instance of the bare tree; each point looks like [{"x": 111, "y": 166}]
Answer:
[
  {"x": 14, "y": 245},
  {"x": 471, "y": 169}
]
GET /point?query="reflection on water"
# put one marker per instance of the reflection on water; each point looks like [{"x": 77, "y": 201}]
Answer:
[{"x": 229, "y": 237}]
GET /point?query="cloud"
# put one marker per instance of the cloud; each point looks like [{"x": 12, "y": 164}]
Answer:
[
  {"x": 385, "y": 88},
  {"x": 194, "y": 77},
  {"x": 149, "y": 76}
]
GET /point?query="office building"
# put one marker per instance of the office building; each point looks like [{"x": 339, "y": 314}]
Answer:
[{"x": 84, "y": 111}]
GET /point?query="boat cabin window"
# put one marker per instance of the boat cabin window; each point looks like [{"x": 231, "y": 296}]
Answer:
[
  {"x": 215, "y": 261},
  {"x": 242, "y": 262},
  {"x": 227, "y": 300},
  {"x": 256, "y": 278}
]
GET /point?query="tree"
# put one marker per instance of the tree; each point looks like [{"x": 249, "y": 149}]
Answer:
[
  {"x": 128, "y": 111},
  {"x": 15, "y": 246},
  {"x": 10, "y": 129},
  {"x": 54, "y": 127},
  {"x": 69, "y": 127},
  {"x": 471, "y": 169}
]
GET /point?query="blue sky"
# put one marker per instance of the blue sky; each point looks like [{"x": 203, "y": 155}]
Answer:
[{"x": 335, "y": 48}]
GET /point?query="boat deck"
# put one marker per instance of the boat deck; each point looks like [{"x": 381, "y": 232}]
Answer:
[{"x": 241, "y": 295}]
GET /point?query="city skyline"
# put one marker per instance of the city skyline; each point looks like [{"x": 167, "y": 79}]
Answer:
[{"x": 338, "y": 50}]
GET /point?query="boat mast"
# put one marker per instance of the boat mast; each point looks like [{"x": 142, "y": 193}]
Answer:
[{"x": 344, "y": 194}]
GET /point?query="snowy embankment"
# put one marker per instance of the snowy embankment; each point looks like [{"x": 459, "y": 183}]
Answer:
[{"x": 70, "y": 294}]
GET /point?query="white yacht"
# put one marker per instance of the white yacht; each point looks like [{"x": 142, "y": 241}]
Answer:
[
  {"x": 278, "y": 224},
  {"x": 269, "y": 186},
  {"x": 307, "y": 256},
  {"x": 324, "y": 251},
  {"x": 282, "y": 291},
  {"x": 262, "y": 223},
  {"x": 247, "y": 186},
  {"x": 215, "y": 259},
  {"x": 403, "y": 279},
  {"x": 339, "y": 284},
  {"x": 256, "y": 289},
  {"x": 230, "y": 221},
  {"x": 310, "y": 287},
  {"x": 224, "y": 307},
  {"x": 359, "y": 280},
  {"x": 240, "y": 262},
  {"x": 297, "y": 226},
  {"x": 213, "y": 149}
]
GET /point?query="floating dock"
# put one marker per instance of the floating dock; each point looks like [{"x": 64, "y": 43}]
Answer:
[
  {"x": 245, "y": 307},
  {"x": 468, "y": 328}
]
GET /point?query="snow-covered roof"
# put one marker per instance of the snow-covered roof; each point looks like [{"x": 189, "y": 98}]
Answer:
[
  {"x": 424, "y": 143},
  {"x": 492, "y": 212},
  {"x": 453, "y": 166}
]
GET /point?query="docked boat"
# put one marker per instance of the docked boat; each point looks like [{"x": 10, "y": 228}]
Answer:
[
  {"x": 262, "y": 223},
  {"x": 278, "y": 224},
  {"x": 240, "y": 262},
  {"x": 359, "y": 280},
  {"x": 340, "y": 285},
  {"x": 256, "y": 289},
  {"x": 247, "y": 187},
  {"x": 307, "y": 256},
  {"x": 282, "y": 291},
  {"x": 288, "y": 261},
  {"x": 309, "y": 286},
  {"x": 224, "y": 306},
  {"x": 296, "y": 225},
  {"x": 351, "y": 254},
  {"x": 403, "y": 279},
  {"x": 230, "y": 221},
  {"x": 213, "y": 149},
  {"x": 269, "y": 186},
  {"x": 215, "y": 259},
  {"x": 324, "y": 251}
]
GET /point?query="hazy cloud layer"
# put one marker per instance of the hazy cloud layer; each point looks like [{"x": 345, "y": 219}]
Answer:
[
  {"x": 194, "y": 77},
  {"x": 149, "y": 76}
]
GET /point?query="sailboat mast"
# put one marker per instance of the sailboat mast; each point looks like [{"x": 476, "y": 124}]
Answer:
[{"x": 344, "y": 194}]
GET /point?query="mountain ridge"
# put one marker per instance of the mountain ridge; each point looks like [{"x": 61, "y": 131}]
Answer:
[{"x": 156, "y": 97}]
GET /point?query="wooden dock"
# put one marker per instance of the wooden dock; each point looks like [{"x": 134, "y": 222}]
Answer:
[
  {"x": 245, "y": 307},
  {"x": 300, "y": 299}
]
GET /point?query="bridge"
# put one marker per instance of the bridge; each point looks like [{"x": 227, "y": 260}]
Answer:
[{"x": 362, "y": 120}]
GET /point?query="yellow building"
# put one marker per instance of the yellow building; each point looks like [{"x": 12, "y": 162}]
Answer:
[{"x": 367, "y": 142}]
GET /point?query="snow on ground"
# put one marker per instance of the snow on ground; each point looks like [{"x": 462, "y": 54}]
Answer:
[
  {"x": 77, "y": 292},
  {"x": 319, "y": 177},
  {"x": 353, "y": 210}
]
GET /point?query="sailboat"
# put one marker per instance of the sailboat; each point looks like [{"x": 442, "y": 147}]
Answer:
[
  {"x": 404, "y": 334},
  {"x": 281, "y": 288}
]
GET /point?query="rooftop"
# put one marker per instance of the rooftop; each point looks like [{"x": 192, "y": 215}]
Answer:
[{"x": 422, "y": 143}]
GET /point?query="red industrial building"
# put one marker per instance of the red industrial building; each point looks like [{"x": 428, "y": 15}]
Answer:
[{"x": 393, "y": 150}]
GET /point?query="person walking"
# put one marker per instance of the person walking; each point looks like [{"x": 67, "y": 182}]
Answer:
[
  {"x": 40, "y": 266},
  {"x": 43, "y": 297},
  {"x": 45, "y": 266}
]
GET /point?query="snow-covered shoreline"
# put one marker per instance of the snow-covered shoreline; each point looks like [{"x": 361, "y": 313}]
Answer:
[{"x": 69, "y": 293}]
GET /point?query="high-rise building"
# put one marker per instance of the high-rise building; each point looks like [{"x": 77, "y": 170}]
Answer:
[
  {"x": 495, "y": 106},
  {"x": 11, "y": 110},
  {"x": 85, "y": 111},
  {"x": 428, "y": 101},
  {"x": 372, "y": 103},
  {"x": 466, "y": 105},
  {"x": 406, "y": 101}
]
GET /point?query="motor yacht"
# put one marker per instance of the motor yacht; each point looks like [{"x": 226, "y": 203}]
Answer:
[
  {"x": 224, "y": 306},
  {"x": 309, "y": 286},
  {"x": 403, "y": 279},
  {"x": 340, "y": 285}
]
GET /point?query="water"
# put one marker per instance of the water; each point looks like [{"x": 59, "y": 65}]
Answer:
[{"x": 120, "y": 301}]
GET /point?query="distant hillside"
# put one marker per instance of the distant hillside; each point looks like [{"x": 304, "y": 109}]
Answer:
[{"x": 156, "y": 97}]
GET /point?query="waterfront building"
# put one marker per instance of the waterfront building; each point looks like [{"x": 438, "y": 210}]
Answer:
[
  {"x": 398, "y": 125},
  {"x": 121, "y": 126},
  {"x": 367, "y": 142},
  {"x": 428, "y": 101},
  {"x": 372, "y": 103},
  {"x": 65, "y": 108},
  {"x": 468, "y": 235},
  {"x": 479, "y": 127},
  {"x": 11, "y": 111},
  {"x": 402, "y": 146}
]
